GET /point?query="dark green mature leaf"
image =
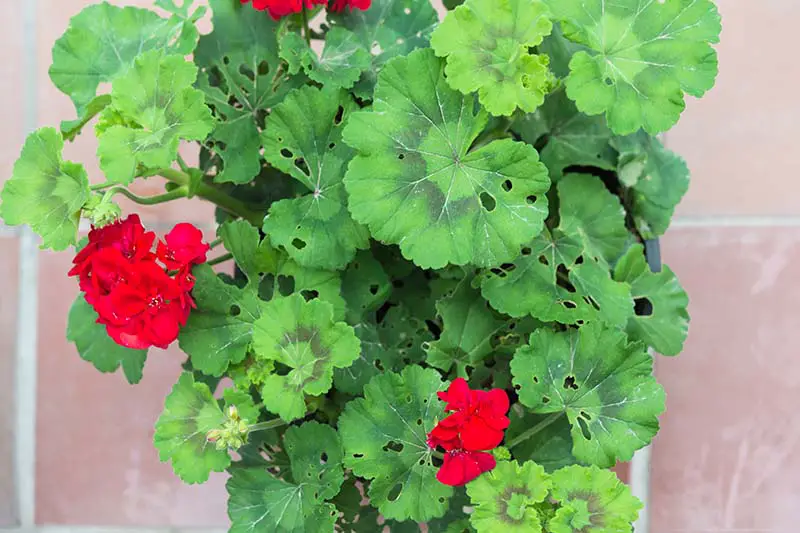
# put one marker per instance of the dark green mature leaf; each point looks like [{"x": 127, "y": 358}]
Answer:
[
  {"x": 254, "y": 256},
  {"x": 375, "y": 358},
  {"x": 415, "y": 182},
  {"x": 242, "y": 80},
  {"x": 658, "y": 179},
  {"x": 316, "y": 230},
  {"x": 340, "y": 63},
  {"x": 602, "y": 382},
  {"x": 487, "y": 45},
  {"x": 95, "y": 346},
  {"x": 102, "y": 42},
  {"x": 641, "y": 59},
  {"x": 662, "y": 320},
  {"x": 365, "y": 286},
  {"x": 157, "y": 95},
  {"x": 384, "y": 437},
  {"x": 550, "y": 447},
  {"x": 389, "y": 28},
  {"x": 46, "y": 192}
]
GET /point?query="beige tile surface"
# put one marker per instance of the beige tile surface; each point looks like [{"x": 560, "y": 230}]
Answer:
[
  {"x": 727, "y": 456},
  {"x": 8, "y": 324},
  {"x": 11, "y": 88}
]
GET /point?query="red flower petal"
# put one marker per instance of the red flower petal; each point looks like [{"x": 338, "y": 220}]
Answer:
[
  {"x": 460, "y": 467},
  {"x": 183, "y": 247}
]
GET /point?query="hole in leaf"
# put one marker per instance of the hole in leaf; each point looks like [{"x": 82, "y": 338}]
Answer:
[
  {"x": 298, "y": 243},
  {"x": 584, "y": 429},
  {"x": 568, "y": 304},
  {"x": 591, "y": 301},
  {"x": 543, "y": 260},
  {"x": 286, "y": 153},
  {"x": 378, "y": 365},
  {"x": 526, "y": 251},
  {"x": 235, "y": 310},
  {"x": 393, "y": 446},
  {"x": 507, "y": 185},
  {"x": 569, "y": 383},
  {"x": 545, "y": 399},
  {"x": 401, "y": 156},
  {"x": 263, "y": 68},
  {"x": 358, "y": 455},
  {"x": 285, "y": 285},
  {"x": 609, "y": 81},
  {"x": 487, "y": 201},
  {"x": 331, "y": 146},
  {"x": 419, "y": 421},
  {"x": 339, "y": 115},
  {"x": 531, "y": 199},
  {"x": 323, "y": 459},
  {"x": 373, "y": 289},
  {"x": 226, "y": 60},
  {"x": 309, "y": 294},
  {"x": 301, "y": 165},
  {"x": 535, "y": 379},
  {"x": 245, "y": 71},
  {"x": 643, "y": 307}
]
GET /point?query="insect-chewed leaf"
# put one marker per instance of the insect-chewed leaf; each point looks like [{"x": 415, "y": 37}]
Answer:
[{"x": 340, "y": 63}]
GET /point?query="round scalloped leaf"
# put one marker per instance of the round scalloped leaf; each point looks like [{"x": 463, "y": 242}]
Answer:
[
  {"x": 365, "y": 286},
  {"x": 415, "y": 183},
  {"x": 487, "y": 45},
  {"x": 662, "y": 319},
  {"x": 156, "y": 94},
  {"x": 315, "y": 453},
  {"x": 254, "y": 256},
  {"x": 46, "y": 192},
  {"x": 642, "y": 57},
  {"x": 102, "y": 42},
  {"x": 505, "y": 499},
  {"x": 340, "y": 63},
  {"x": 385, "y": 440},
  {"x": 602, "y": 382},
  {"x": 592, "y": 501},
  {"x": 190, "y": 412},
  {"x": 95, "y": 346},
  {"x": 550, "y": 447},
  {"x": 316, "y": 229},
  {"x": 304, "y": 337}
]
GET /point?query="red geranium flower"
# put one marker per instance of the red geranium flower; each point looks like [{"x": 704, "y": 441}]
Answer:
[
  {"x": 281, "y": 8},
  {"x": 339, "y": 5},
  {"x": 462, "y": 466},
  {"x": 182, "y": 247}
]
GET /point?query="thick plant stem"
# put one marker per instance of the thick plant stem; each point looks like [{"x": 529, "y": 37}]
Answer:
[
  {"x": 179, "y": 192},
  {"x": 220, "y": 259},
  {"x": 525, "y": 435},
  {"x": 101, "y": 186},
  {"x": 207, "y": 192},
  {"x": 269, "y": 424}
]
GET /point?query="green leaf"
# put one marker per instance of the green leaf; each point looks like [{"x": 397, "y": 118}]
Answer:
[
  {"x": 95, "y": 346},
  {"x": 641, "y": 59},
  {"x": 505, "y": 498},
  {"x": 487, "y": 47},
  {"x": 190, "y": 412},
  {"x": 316, "y": 230},
  {"x": 560, "y": 282},
  {"x": 46, "y": 192},
  {"x": 593, "y": 501},
  {"x": 468, "y": 329},
  {"x": 102, "y": 43},
  {"x": 304, "y": 337},
  {"x": 551, "y": 447},
  {"x": 309, "y": 282},
  {"x": 602, "y": 382},
  {"x": 384, "y": 436},
  {"x": 662, "y": 320},
  {"x": 415, "y": 182},
  {"x": 658, "y": 179},
  {"x": 389, "y": 28},
  {"x": 375, "y": 357},
  {"x": 340, "y": 63},
  {"x": 315, "y": 453},
  {"x": 253, "y": 256},
  {"x": 365, "y": 286},
  {"x": 242, "y": 80},
  {"x": 156, "y": 94},
  {"x": 71, "y": 128}
]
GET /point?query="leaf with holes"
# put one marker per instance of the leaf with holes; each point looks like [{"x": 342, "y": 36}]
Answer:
[
  {"x": 304, "y": 337},
  {"x": 560, "y": 282},
  {"x": 157, "y": 95},
  {"x": 389, "y": 28},
  {"x": 658, "y": 180},
  {"x": 505, "y": 498},
  {"x": 487, "y": 45},
  {"x": 384, "y": 436},
  {"x": 46, "y": 192},
  {"x": 602, "y": 382},
  {"x": 253, "y": 256},
  {"x": 415, "y": 183},
  {"x": 592, "y": 500},
  {"x": 365, "y": 286},
  {"x": 95, "y": 346},
  {"x": 468, "y": 327},
  {"x": 662, "y": 319},
  {"x": 641, "y": 58},
  {"x": 309, "y": 282},
  {"x": 316, "y": 229},
  {"x": 550, "y": 447},
  {"x": 181, "y": 433},
  {"x": 242, "y": 80},
  {"x": 103, "y": 41},
  {"x": 340, "y": 63}
]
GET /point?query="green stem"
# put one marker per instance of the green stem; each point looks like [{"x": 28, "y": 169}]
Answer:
[
  {"x": 182, "y": 164},
  {"x": 215, "y": 243},
  {"x": 220, "y": 259},
  {"x": 215, "y": 196},
  {"x": 306, "y": 29},
  {"x": 269, "y": 424},
  {"x": 101, "y": 186},
  {"x": 179, "y": 192},
  {"x": 525, "y": 435}
]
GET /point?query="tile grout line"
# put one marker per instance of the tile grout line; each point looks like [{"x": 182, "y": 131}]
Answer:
[
  {"x": 26, "y": 345},
  {"x": 735, "y": 221}
]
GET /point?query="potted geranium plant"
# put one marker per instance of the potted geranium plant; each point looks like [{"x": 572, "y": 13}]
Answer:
[{"x": 441, "y": 311}]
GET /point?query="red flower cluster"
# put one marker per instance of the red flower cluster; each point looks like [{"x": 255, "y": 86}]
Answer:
[
  {"x": 476, "y": 426},
  {"x": 281, "y": 8},
  {"x": 135, "y": 297}
]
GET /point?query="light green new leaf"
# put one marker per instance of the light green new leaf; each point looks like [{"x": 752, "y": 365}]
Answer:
[
  {"x": 602, "y": 382},
  {"x": 71, "y": 128},
  {"x": 340, "y": 63},
  {"x": 415, "y": 183},
  {"x": 662, "y": 320},
  {"x": 102, "y": 43},
  {"x": 94, "y": 344},
  {"x": 642, "y": 57},
  {"x": 384, "y": 436},
  {"x": 303, "y": 336},
  {"x": 316, "y": 230},
  {"x": 658, "y": 179},
  {"x": 46, "y": 192},
  {"x": 190, "y": 412},
  {"x": 242, "y": 79},
  {"x": 468, "y": 327},
  {"x": 156, "y": 94},
  {"x": 592, "y": 501},
  {"x": 505, "y": 498},
  {"x": 487, "y": 45}
]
